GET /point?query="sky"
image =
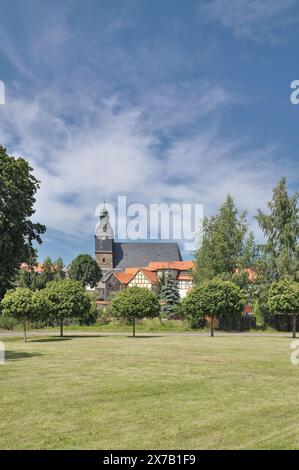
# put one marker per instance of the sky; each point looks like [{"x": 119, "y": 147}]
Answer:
[{"x": 162, "y": 101}]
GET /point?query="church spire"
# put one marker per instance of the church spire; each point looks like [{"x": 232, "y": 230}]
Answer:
[{"x": 104, "y": 230}]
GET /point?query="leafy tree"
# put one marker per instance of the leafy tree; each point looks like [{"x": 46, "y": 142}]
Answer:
[
  {"x": 27, "y": 277},
  {"x": 18, "y": 187},
  {"x": 90, "y": 316},
  {"x": 215, "y": 299},
  {"x": 226, "y": 244},
  {"x": 25, "y": 305},
  {"x": 284, "y": 298},
  {"x": 34, "y": 280},
  {"x": 68, "y": 299},
  {"x": 135, "y": 303},
  {"x": 52, "y": 271},
  {"x": 258, "y": 314},
  {"x": 59, "y": 270},
  {"x": 86, "y": 270},
  {"x": 280, "y": 226},
  {"x": 170, "y": 294}
]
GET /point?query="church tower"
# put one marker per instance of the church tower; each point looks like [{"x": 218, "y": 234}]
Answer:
[{"x": 104, "y": 240}]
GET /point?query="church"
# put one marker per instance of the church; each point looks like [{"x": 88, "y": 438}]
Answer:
[{"x": 126, "y": 264}]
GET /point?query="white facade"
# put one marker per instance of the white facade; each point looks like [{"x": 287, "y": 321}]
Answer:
[{"x": 140, "y": 280}]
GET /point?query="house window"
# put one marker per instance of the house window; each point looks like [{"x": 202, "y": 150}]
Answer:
[{"x": 104, "y": 259}]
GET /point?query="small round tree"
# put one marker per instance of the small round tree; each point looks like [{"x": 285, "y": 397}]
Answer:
[
  {"x": 214, "y": 299},
  {"x": 25, "y": 305},
  {"x": 283, "y": 297},
  {"x": 68, "y": 299},
  {"x": 86, "y": 270},
  {"x": 135, "y": 303}
]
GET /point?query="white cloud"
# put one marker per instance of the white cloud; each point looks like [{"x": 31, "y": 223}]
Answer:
[
  {"x": 155, "y": 139},
  {"x": 256, "y": 19},
  {"x": 117, "y": 148}
]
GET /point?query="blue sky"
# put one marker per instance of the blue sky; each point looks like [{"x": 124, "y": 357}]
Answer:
[{"x": 163, "y": 101}]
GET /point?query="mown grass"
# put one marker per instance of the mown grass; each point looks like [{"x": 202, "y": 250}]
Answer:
[{"x": 169, "y": 392}]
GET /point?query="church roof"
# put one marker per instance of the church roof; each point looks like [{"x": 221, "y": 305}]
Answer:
[{"x": 140, "y": 254}]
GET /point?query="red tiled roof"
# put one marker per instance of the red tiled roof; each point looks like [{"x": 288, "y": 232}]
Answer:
[
  {"x": 252, "y": 275},
  {"x": 132, "y": 270},
  {"x": 179, "y": 265},
  {"x": 184, "y": 277},
  {"x": 151, "y": 276},
  {"x": 38, "y": 268},
  {"x": 122, "y": 277}
]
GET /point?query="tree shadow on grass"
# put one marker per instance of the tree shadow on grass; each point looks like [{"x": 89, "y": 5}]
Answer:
[
  {"x": 50, "y": 340},
  {"x": 17, "y": 355},
  {"x": 86, "y": 336},
  {"x": 144, "y": 336}
]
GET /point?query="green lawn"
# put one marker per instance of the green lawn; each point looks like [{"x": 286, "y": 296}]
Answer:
[{"x": 169, "y": 392}]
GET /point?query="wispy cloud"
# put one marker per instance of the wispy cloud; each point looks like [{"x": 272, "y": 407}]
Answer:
[
  {"x": 255, "y": 19},
  {"x": 118, "y": 148},
  {"x": 102, "y": 119}
]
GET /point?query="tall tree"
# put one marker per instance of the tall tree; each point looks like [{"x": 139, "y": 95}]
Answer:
[
  {"x": 170, "y": 294},
  {"x": 86, "y": 270},
  {"x": 281, "y": 229},
  {"x": 27, "y": 276},
  {"x": 226, "y": 243},
  {"x": 18, "y": 187}
]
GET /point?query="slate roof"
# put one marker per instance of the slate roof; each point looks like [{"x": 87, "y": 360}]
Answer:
[{"x": 140, "y": 254}]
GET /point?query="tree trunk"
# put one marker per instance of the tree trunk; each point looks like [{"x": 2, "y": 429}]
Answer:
[
  {"x": 61, "y": 327},
  {"x": 134, "y": 328},
  {"x": 294, "y": 326},
  {"x": 212, "y": 325},
  {"x": 25, "y": 331}
]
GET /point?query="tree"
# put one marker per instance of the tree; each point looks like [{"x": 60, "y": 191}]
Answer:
[
  {"x": 135, "y": 303},
  {"x": 170, "y": 294},
  {"x": 281, "y": 229},
  {"x": 215, "y": 298},
  {"x": 27, "y": 276},
  {"x": 226, "y": 244},
  {"x": 86, "y": 270},
  {"x": 59, "y": 269},
  {"x": 68, "y": 299},
  {"x": 284, "y": 298},
  {"x": 25, "y": 305},
  {"x": 18, "y": 187}
]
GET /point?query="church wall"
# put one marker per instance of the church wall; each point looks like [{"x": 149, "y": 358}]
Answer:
[{"x": 104, "y": 260}]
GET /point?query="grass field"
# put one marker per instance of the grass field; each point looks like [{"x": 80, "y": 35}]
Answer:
[{"x": 231, "y": 392}]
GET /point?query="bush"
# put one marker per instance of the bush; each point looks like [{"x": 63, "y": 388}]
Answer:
[{"x": 7, "y": 323}]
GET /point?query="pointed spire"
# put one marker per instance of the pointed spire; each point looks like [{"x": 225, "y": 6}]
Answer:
[{"x": 104, "y": 229}]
